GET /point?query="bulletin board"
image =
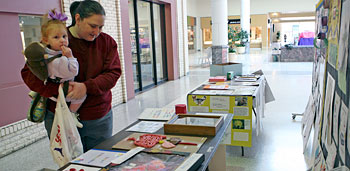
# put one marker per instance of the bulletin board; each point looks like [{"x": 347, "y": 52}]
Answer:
[{"x": 329, "y": 102}]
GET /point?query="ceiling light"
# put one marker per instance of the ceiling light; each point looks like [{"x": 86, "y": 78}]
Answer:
[{"x": 274, "y": 14}]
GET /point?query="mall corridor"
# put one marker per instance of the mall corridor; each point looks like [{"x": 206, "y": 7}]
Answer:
[{"x": 278, "y": 147}]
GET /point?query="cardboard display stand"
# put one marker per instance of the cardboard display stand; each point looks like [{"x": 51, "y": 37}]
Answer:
[{"x": 240, "y": 106}]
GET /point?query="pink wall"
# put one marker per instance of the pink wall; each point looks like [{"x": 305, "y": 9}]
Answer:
[
  {"x": 14, "y": 100},
  {"x": 127, "y": 49},
  {"x": 171, "y": 41}
]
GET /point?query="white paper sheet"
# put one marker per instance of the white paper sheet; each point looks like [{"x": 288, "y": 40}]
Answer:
[
  {"x": 336, "y": 118},
  {"x": 220, "y": 111},
  {"x": 247, "y": 124},
  {"x": 204, "y": 92},
  {"x": 146, "y": 126},
  {"x": 343, "y": 49},
  {"x": 342, "y": 130},
  {"x": 327, "y": 112},
  {"x": 199, "y": 108},
  {"x": 244, "y": 90},
  {"x": 308, "y": 125},
  {"x": 219, "y": 102},
  {"x": 162, "y": 114},
  {"x": 127, "y": 155},
  {"x": 97, "y": 157},
  {"x": 241, "y": 111},
  {"x": 240, "y": 136},
  {"x": 332, "y": 153}
]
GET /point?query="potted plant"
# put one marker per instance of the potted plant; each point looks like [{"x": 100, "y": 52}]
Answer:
[
  {"x": 231, "y": 54},
  {"x": 242, "y": 37},
  {"x": 231, "y": 43}
]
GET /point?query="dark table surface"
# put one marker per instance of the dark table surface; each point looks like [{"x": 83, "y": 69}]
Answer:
[{"x": 208, "y": 148}]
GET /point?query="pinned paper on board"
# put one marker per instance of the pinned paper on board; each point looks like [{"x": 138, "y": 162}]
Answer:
[
  {"x": 327, "y": 113},
  {"x": 336, "y": 117},
  {"x": 333, "y": 32},
  {"x": 219, "y": 102},
  {"x": 342, "y": 130}
]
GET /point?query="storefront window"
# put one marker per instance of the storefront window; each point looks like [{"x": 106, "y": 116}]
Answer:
[
  {"x": 191, "y": 37},
  {"x": 207, "y": 36},
  {"x": 30, "y": 29},
  {"x": 297, "y": 33}
]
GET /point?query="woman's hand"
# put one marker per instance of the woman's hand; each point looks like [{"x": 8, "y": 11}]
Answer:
[{"x": 76, "y": 90}]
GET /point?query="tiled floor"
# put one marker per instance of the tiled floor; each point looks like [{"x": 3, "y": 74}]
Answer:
[{"x": 278, "y": 148}]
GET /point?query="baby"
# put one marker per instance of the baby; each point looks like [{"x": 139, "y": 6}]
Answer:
[{"x": 65, "y": 68}]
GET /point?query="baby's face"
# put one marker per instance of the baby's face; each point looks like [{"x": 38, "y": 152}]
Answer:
[{"x": 57, "y": 37}]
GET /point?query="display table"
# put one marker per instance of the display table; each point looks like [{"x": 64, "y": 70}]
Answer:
[{"x": 208, "y": 148}]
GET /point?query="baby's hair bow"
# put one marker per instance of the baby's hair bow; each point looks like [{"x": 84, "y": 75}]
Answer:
[{"x": 53, "y": 15}]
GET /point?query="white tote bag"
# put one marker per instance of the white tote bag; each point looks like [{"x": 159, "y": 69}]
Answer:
[{"x": 65, "y": 143}]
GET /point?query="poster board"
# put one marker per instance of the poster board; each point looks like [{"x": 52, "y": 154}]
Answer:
[
  {"x": 240, "y": 106},
  {"x": 330, "y": 89}
]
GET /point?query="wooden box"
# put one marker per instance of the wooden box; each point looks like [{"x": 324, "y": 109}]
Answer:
[{"x": 186, "y": 124}]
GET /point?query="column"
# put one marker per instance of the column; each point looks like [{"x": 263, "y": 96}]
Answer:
[
  {"x": 219, "y": 31},
  {"x": 245, "y": 20}
]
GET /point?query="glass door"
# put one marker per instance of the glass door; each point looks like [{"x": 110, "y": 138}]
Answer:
[
  {"x": 134, "y": 45},
  {"x": 147, "y": 43},
  {"x": 145, "y": 38},
  {"x": 159, "y": 42}
]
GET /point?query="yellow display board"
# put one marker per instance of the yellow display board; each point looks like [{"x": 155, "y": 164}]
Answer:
[{"x": 240, "y": 106}]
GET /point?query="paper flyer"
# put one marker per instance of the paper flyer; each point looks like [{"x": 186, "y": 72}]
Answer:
[
  {"x": 163, "y": 114},
  {"x": 327, "y": 109},
  {"x": 336, "y": 118},
  {"x": 342, "y": 130},
  {"x": 308, "y": 127},
  {"x": 199, "y": 109},
  {"x": 97, "y": 157},
  {"x": 332, "y": 153},
  {"x": 219, "y": 102},
  {"x": 333, "y": 32},
  {"x": 146, "y": 126},
  {"x": 343, "y": 50},
  {"x": 240, "y": 136},
  {"x": 241, "y": 111},
  {"x": 204, "y": 92}
]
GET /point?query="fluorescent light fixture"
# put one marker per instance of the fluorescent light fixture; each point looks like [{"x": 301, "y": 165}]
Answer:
[
  {"x": 274, "y": 14},
  {"x": 296, "y": 18}
]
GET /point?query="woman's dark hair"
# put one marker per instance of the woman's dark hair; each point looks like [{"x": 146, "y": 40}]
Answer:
[{"x": 85, "y": 9}]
